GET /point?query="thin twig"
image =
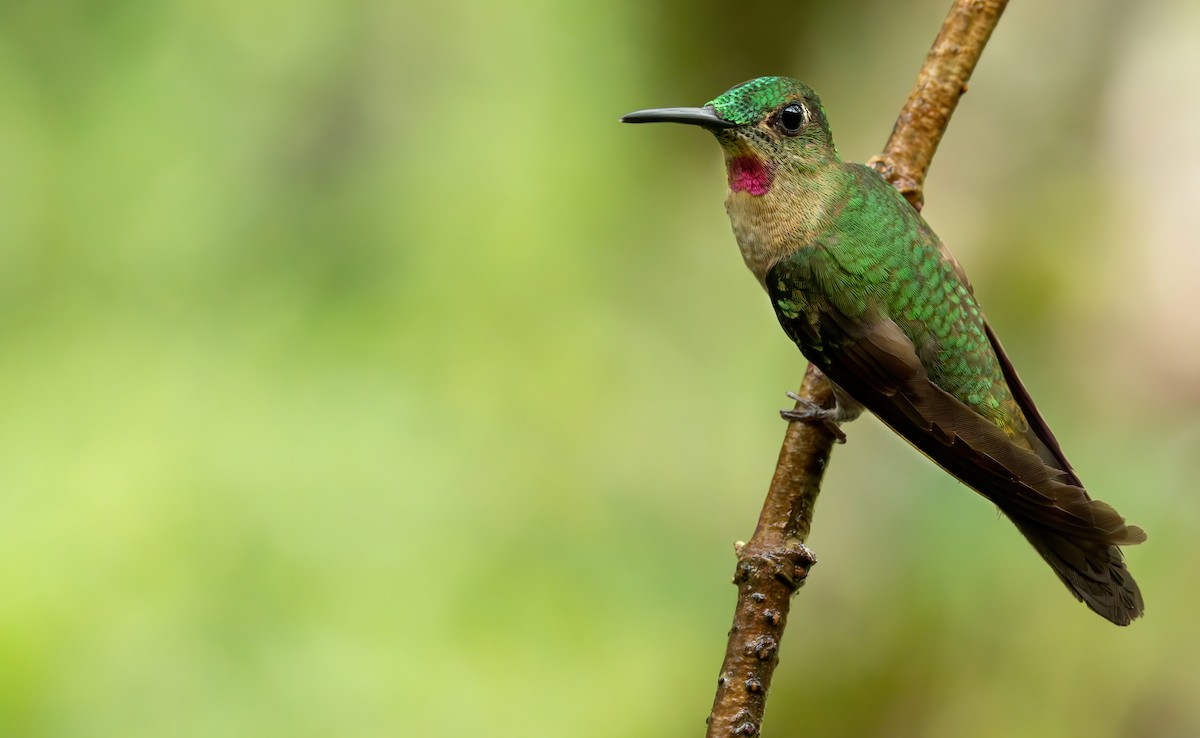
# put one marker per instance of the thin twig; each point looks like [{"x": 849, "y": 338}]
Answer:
[
  {"x": 940, "y": 83},
  {"x": 773, "y": 565}
]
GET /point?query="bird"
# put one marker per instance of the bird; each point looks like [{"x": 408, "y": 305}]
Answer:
[{"x": 870, "y": 295}]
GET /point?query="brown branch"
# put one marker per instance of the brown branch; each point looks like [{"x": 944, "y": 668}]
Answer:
[
  {"x": 775, "y": 562},
  {"x": 941, "y": 82}
]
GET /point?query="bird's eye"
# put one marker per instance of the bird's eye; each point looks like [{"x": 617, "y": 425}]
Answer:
[{"x": 791, "y": 118}]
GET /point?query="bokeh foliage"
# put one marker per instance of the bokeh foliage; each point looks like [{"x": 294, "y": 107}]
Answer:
[{"x": 363, "y": 377}]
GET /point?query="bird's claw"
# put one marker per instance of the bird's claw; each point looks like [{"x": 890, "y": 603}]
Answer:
[{"x": 807, "y": 412}]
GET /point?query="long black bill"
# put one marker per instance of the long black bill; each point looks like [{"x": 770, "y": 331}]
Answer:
[{"x": 706, "y": 117}]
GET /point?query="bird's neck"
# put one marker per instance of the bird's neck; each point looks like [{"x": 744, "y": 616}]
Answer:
[{"x": 776, "y": 209}]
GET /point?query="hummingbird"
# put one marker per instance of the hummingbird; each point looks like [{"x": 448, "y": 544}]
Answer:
[{"x": 871, "y": 296}]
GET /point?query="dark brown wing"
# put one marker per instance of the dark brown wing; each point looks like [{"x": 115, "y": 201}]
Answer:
[
  {"x": 877, "y": 365},
  {"x": 1040, "y": 434}
]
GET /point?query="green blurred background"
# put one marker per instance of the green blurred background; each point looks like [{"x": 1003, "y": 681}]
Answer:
[{"x": 362, "y": 376}]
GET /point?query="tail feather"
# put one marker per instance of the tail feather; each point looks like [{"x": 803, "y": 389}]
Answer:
[{"x": 1094, "y": 571}]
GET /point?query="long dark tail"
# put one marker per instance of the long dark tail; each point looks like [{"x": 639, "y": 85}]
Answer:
[
  {"x": 1025, "y": 475},
  {"x": 1094, "y": 571}
]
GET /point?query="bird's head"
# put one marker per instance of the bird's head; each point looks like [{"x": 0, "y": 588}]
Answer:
[{"x": 765, "y": 126}]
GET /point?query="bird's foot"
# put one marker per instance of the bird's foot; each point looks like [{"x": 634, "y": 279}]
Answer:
[{"x": 807, "y": 412}]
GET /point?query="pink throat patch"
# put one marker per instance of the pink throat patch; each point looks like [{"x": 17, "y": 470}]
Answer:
[{"x": 750, "y": 174}]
